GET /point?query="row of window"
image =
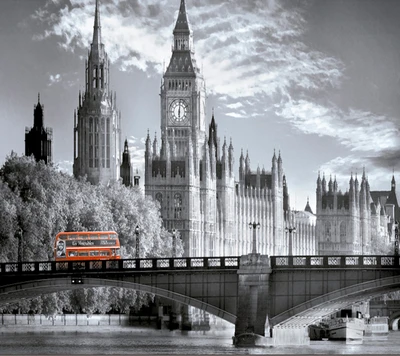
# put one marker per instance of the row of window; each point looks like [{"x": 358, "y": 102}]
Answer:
[
  {"x": 98, "y": 78},
  {"x": 99, "y": 150},
  {"x": 177, "y": 204},
  {"x": 342, "y": 229},
  {"x": 179, "y": 84}
]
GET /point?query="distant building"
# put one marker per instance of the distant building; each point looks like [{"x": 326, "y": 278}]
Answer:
[
  {"x": 97, "y": 122},
  {"x": 356, "y": 222},
  {"x": 126, "y": 168},
  {"x": 38, "y": 139}
]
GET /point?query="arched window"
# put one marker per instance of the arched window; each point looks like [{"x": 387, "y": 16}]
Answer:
[
  {"x": 342, "y": 231},
  {"x": 177, "y": 206},
  {"x": 159, "y": 198},
  {"x": 328, "y": 229}
]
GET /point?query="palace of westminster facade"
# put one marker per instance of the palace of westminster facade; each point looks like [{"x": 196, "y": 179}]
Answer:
[{"x": 191, "y": 173}]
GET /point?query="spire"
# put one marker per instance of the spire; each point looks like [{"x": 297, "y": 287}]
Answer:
[
  {"x": 97, "y": 26},
  {"x": 230, "y": 157},
  {"x": 308, "y": 207},
  {"x": 247, "y": 162},
  {"x": 393, "y": 183},
  {"x": 155, "y": 145},
  {"x": 182, "y": 23},
  {"x": 148, "y": 145},
  {"x": 126, "y": 149},
  {"x": 38, "y": 114},
  {"x": 38, "y": 98}
]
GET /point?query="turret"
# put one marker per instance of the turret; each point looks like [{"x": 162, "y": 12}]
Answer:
[
  {"x": 225, "y": 160},
  {"x": 212, "y": 136},
  {"x": 393, "y": 185},
  {"x": 231, "y": 159},
  {"x": 241, "y": 168},
  {"x": 274, "y": 171},
  {"x": 155, "y": 145},
  {"x": 280, "y": 169},
  {"x": 213, "y": 156},
  {"x": 148, "y": 153},
  {"x": 286, "y": 202},
  {"x": 352, "y": 195},
  {"x": 319, "y": 193},
  {"x": 247, "y": 163},
  {"x": 323, "y": 184},
  {"x": 330, "y": 185}
]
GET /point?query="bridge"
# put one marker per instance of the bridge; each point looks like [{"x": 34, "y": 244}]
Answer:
[{"x": 293, "y": 291}]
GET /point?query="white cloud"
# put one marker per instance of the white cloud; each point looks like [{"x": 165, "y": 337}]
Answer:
[
  {"x": 355, "y": 129},
  {"x": 234, "y": 105},
  {"x": 54, "y": 79}
]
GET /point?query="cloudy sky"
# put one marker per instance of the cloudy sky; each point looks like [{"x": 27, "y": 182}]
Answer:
[{"x": 317, "y": 80}]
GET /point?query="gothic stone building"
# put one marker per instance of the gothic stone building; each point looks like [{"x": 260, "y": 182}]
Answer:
[
  {"x": 357, "y": 221},
  {"x": 97, "y": 122},
  {"x": 38, "y": 139},
  {"x": 192, "y": 176}
]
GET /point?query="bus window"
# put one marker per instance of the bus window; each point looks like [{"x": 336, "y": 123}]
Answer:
[
  {"x": 94, "y": 253},
  {"x": 83, "y": 254},
  {"x": 103, "y": 253},
  {"x": 72, "y": 254}
]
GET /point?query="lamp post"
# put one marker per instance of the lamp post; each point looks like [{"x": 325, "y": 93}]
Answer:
[
  {"x": 290, "y": 230},
  {"x": 254, "y": 226},
  {"x": 137, "y": 232},
  {"x": 173, "y": 243}
]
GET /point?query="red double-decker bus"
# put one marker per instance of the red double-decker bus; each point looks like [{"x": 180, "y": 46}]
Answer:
[{"x": 87, "y": 245}]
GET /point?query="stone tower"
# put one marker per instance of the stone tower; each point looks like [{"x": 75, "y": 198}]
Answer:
[
  {"x": 38, "y": 139},
  {"x": 126, "y": 168},
  {"x": 97, "y": 122},
  {"x": 178, "y": 174}
]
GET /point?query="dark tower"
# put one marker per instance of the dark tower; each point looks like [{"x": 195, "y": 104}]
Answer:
[
  {"x": 126, "y": 169},
  {"x": 38, "y": 139}
]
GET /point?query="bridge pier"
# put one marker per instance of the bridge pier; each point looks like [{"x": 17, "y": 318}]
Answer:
[{"x": 253, "y": 299}]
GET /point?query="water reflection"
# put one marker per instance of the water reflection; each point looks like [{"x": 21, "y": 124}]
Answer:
[{"x": 164, "y": 342}]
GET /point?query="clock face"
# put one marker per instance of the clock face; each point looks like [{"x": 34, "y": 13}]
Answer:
[{"x": 178, "y": 110}]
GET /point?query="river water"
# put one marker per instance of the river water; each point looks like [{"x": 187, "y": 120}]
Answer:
[{"x": 160, "y": 342}]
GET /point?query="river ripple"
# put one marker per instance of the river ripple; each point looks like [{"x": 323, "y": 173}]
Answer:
[{"x": 139, "y": 341}]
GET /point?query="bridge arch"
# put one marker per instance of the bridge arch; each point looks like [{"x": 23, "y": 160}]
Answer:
[
  {"x": 34, "y": 288},
  {"x": 308, "y": 312},
  {"x": 394, "y": 320}
]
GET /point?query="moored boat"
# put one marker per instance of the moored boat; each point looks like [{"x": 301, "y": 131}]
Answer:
[{"x": 345, "y": 328}]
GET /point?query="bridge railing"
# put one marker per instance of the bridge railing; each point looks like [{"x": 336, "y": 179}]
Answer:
[
  {"x": 146, "y": 264},
  {"x": 364, "y": 261}
]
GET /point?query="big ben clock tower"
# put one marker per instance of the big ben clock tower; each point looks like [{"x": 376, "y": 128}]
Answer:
[
  {"x": 173, "y": 173},
  {"x": 183, "y": 91}
]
